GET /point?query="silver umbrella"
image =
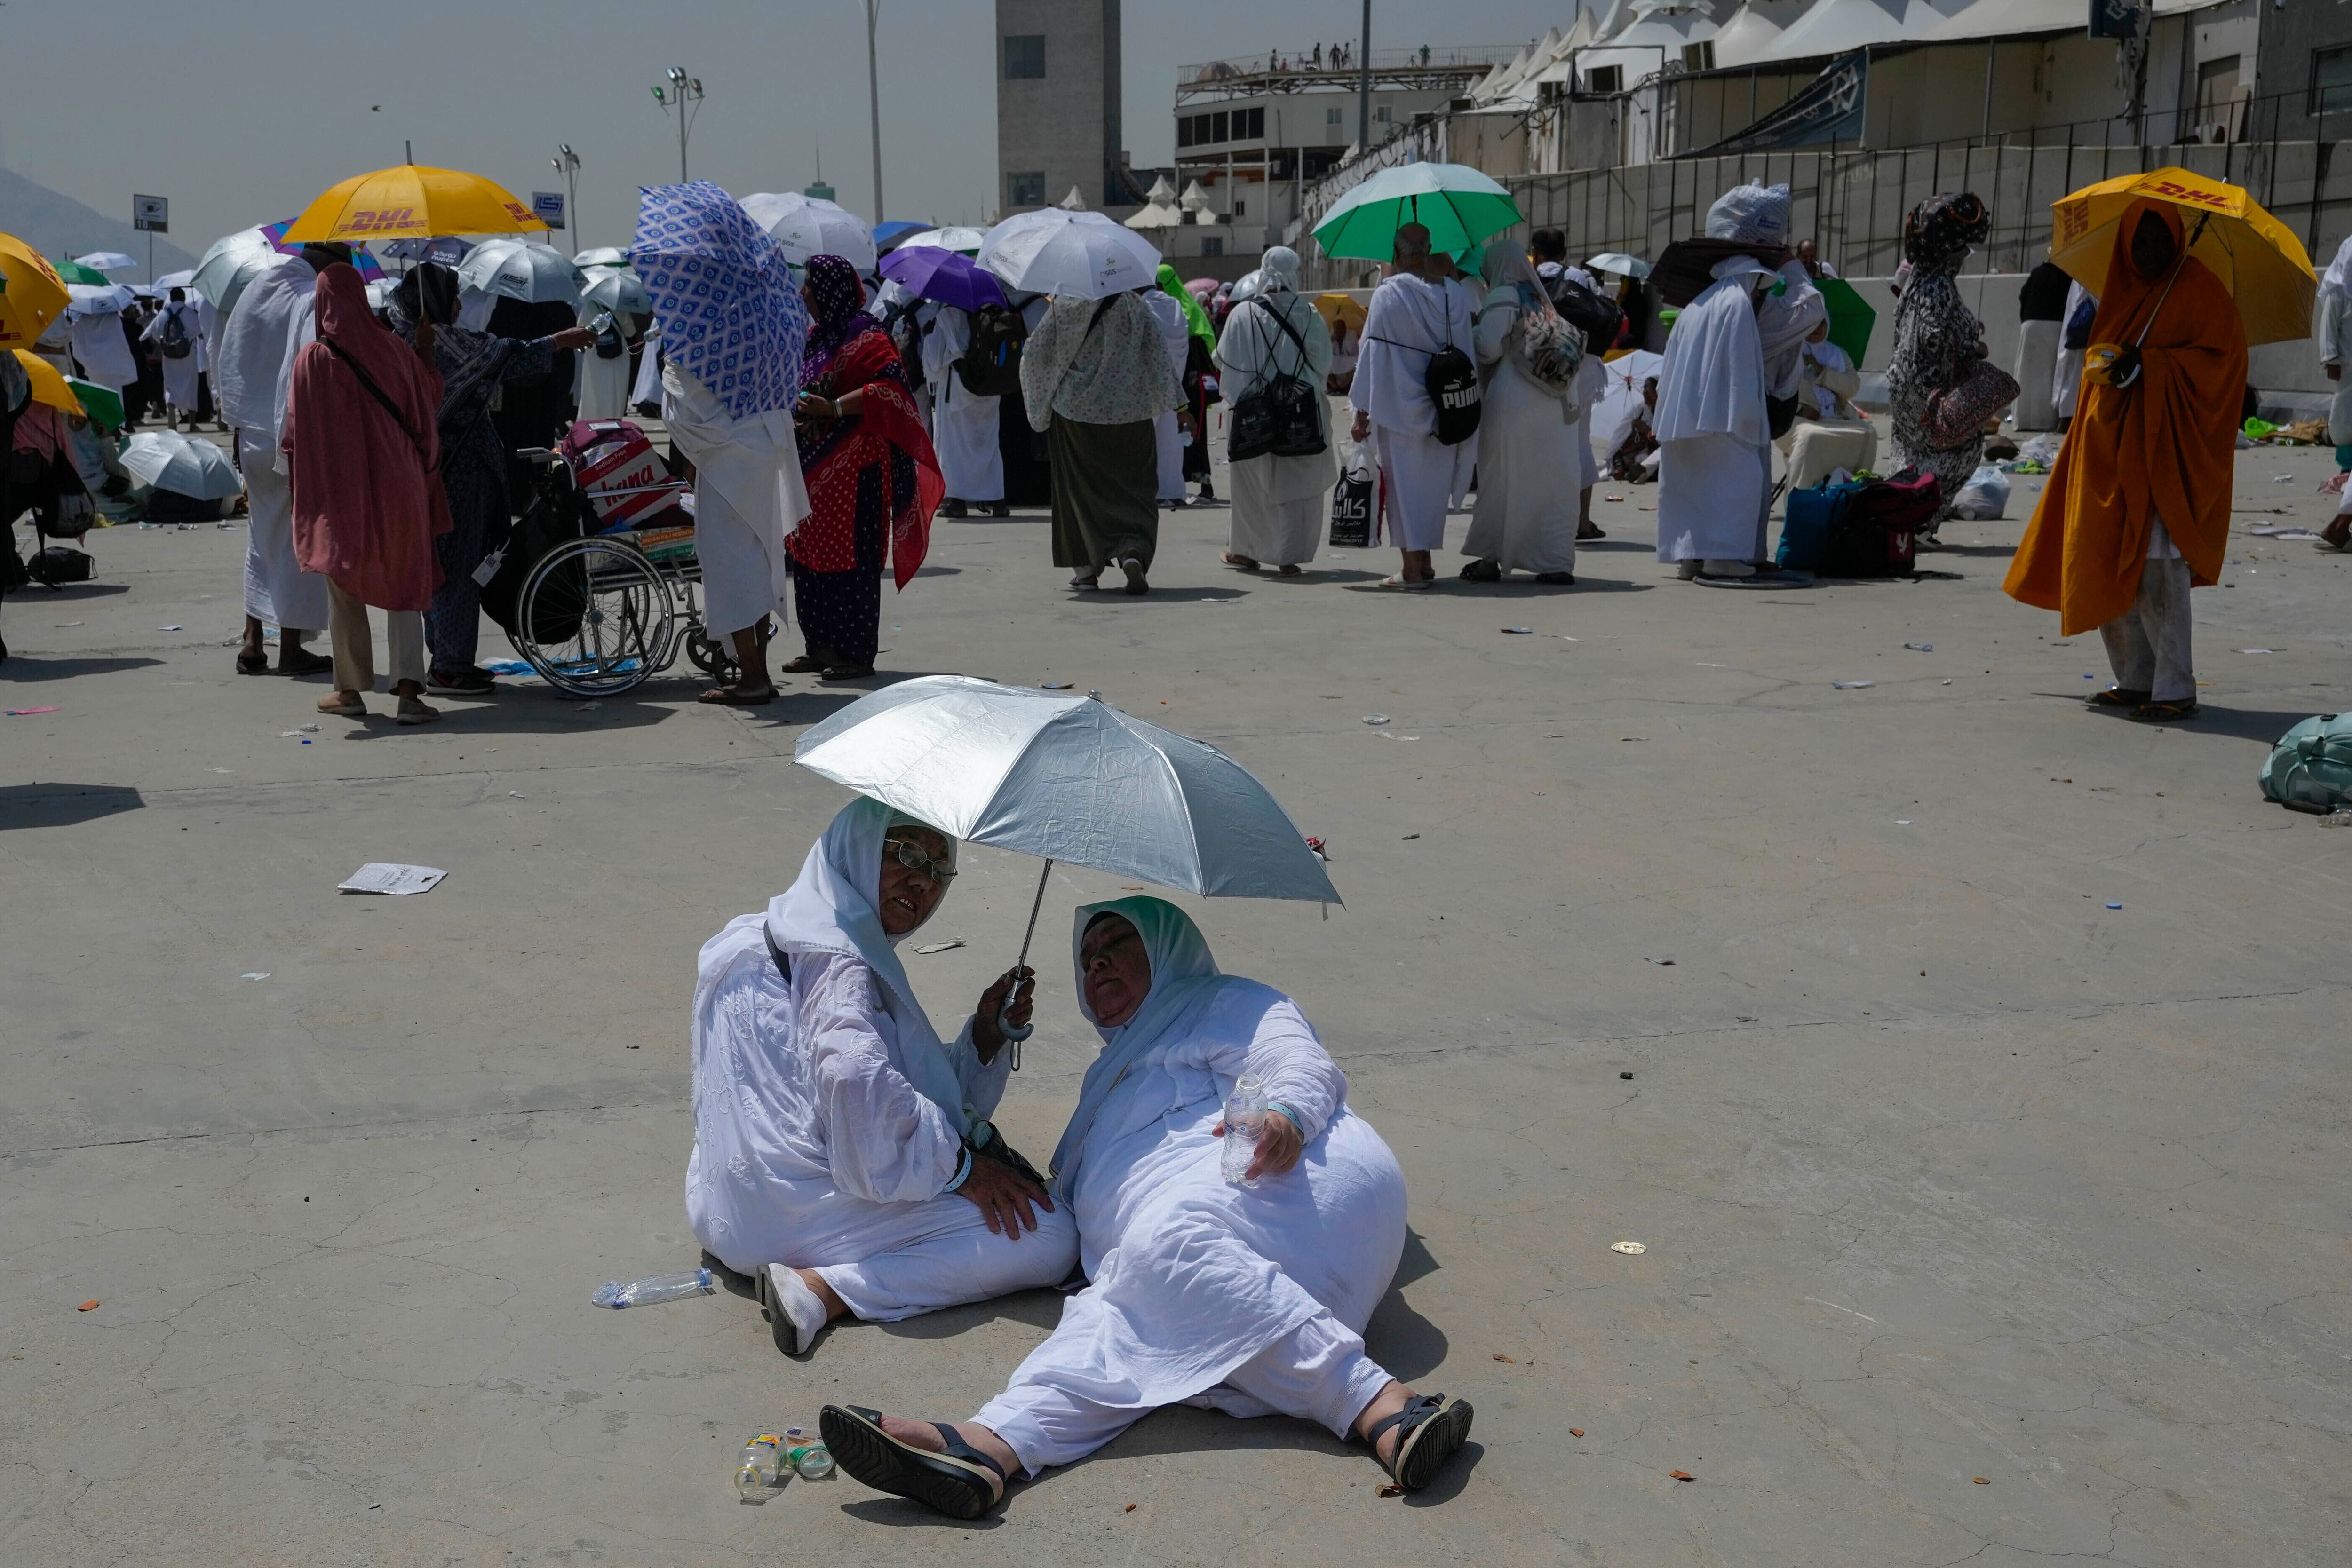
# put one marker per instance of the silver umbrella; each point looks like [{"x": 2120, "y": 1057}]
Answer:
[
  {"x": 229, "y": 264},
  {"x": 520, "y": 269},
  {"x": 184, "y": 465},
  {"x": 1071, "y": 778},
  {"x": 617, "y": 289}
]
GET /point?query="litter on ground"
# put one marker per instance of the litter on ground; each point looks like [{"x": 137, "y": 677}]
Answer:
[{"x": 391, "y": 877}]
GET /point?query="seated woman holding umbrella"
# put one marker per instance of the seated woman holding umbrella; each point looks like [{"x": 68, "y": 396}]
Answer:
[
  {"x": 1250, "y": 1299},
  {"x": 841, "y": 1155}
]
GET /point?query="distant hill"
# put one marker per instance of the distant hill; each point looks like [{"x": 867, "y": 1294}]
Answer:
[{"x": 53, "y": 224}]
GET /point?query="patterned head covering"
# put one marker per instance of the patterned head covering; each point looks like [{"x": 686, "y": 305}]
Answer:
[
  {"x": 1939, "y": 231},
  {"x": 1753, "y": 213},
  {"x": 837, "y": 298},
  {"x": 723, "y": 295}
]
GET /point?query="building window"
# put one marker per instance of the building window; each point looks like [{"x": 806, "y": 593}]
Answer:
[
  {"x": 1699, "y": 56},
  {"x": 1024, "y": 57},
  {"x": 1217, "y": 126},
  {"x": 1249, "y": 124},
  {"x": 2217, "y": 97},
  {"x": 1025, "y": 190},
  {"x": 1382, "y": 114},
  {"x": 1605, "y": 78},
  {"x": 1212, "y": 245},
  {"x": 2331, "y": 81},
  {"x": 1183, "y": 131},
  {"x": 1240, "y": 209},
  {"x": 1331, "y": 117}
]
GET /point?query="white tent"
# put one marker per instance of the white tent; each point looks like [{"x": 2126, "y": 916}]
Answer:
[
  {"x": 2005, "y": 18},
  {"x": 1753, "y": 27},
  {"x": 1652, "y": 41},
  {"x": 1159, "y": 209}
]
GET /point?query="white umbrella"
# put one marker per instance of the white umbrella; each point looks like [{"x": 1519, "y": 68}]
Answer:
[
  {"x": 184, "y": 465},
  {"x": 520, "y": 269},
  {"x": 1070, "y": 778},
  {"x": 108, "y": 261},
  {"x": 617, "y": 289},
  {"x": 809, "y": 226},
  {"x": 602, "y": 256},
  {"x": 1621, "y": 263},
  {"x": 955, "y": 237},
  {"x": 1082, "y": 255},
  {"x": 380, "y": 292},
  {"x": 230, "y": 263},
  {"x": 172, "y": 280},
  {"x": 95, "y": 299}
]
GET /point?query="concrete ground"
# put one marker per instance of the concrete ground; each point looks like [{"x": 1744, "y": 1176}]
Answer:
[{"x": 1986, "y": 1221}]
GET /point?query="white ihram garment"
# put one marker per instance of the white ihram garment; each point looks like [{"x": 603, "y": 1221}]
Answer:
[
  {"x": 2037, "y": 374},
  {"x": 251, "y": 369},
  {"x": 1409, "y": 321},
  {"x": 1250, "y": 1300},
  {"x": 828, "y": 1117},
  {"x": 2066, "y": 380},
  {"x": 1782, "y": 324},
  {"x": 599, "y": 387},
  {"x": 1529, "y": 474},
  {"x": 747, "y": 495},
  {"x": 1279, "y": 504},
  {"x": 102, "y": 351},
  {"x": 1591, "y": 386},
  {"x": 180, "y": 375},
  {"x": 2331, "y": 323},
  {"x": 1715, "y": 468},
  {"x": 963, "y": 427},
  {"x": 1175, "y": 335}
]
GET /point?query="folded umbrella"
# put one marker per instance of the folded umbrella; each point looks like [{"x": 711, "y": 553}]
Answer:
[
  {"x": 520, "y": 269},
  {"x": 949, "y": 277},
  {"x": 1078, "y": 255},
  {"x": 184, "y": 465},
  {"x": 1457, "y": 204},
  {"x": 810, "y": 226},
  {"x": 31, "y": 292}
]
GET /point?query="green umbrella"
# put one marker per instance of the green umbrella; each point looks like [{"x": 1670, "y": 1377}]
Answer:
[
  {"x": 1458, "y": 205},
  {"x": 103, "y": 404},
  {"x": 75, "y": 272},
  {"x": 1851, "y": 319}
]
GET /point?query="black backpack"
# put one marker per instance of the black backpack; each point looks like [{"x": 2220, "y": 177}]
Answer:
[
  {"x": 1453, "y": 384},
  {"x": 1597, "y": 317},
  {"x": 1281, "y": 418},
  {"x": 991, "y": 366},
  {"x": 174, "y": 340}
]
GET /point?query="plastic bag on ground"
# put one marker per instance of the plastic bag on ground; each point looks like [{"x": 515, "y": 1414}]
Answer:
[{"x": 1984, "y": 496}]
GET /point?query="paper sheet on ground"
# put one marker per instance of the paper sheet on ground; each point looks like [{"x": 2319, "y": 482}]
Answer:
[{"x": 385, "y": 876}]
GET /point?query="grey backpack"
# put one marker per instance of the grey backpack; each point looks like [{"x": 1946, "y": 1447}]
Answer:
[{"x": 2310, "y": 769}]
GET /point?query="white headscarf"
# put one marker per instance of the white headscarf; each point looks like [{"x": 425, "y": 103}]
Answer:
[
  {"x": 1252, "y": 347},
  {"x": 1783, "y": 322},
  {"x": 1185, "y": 988},
  {"x": 268, "y": 326},
  {"x": 835, "y": 907},
  {"x": 1712, "y": 382},
  {"x": 1278, "y": 268}
]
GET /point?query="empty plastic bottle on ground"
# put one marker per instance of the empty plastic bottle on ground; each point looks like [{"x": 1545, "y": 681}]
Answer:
[
  {"x": 1244, "y": 1118},
  {"x": 676, "y": 1287},
  {"x": 760, "y": 1468},
  {"x": 808, "y": 1454}
]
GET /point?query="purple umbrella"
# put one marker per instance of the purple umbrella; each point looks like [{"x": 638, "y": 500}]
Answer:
[{"x": 945, "y": 276}]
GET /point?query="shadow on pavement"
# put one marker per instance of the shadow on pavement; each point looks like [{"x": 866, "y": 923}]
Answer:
[
  {"x": 65, "y": 592},
  {"x": 24, "y": 666},
  {"x": 1041, "y": 1309},
  {"x": 62, "y": 805}
]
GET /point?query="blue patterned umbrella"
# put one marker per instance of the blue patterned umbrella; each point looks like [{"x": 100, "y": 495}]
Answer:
[{"x": 722, "y": 295}]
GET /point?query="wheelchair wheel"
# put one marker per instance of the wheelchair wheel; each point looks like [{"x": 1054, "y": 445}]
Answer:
[
  {"x": 713, "y": 656},
  {"x": 594, "y": 617}
]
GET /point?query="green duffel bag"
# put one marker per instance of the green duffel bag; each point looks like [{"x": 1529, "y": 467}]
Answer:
[{"x": 2310, "y": 769}]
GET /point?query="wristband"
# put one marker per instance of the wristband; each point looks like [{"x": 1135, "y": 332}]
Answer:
[
  {"x": 1276, "y": 1105},
  {"x": 963, "y": 1174}
]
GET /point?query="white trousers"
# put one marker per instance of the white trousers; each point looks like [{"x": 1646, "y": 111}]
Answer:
[
  {"x": 1317, "y": 1372},
  {"x": 2147, "y": 646},
  {"x": 1168, "y": 441}
]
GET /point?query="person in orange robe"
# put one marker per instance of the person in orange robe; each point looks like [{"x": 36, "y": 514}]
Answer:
[{"x": 2137, "y": 509}]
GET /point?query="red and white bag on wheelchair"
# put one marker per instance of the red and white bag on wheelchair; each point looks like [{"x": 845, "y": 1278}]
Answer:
[{"x": 622, "y": 477}]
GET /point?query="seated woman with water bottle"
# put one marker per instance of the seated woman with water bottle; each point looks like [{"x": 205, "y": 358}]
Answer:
[{"x": 1234, "y": 1274}]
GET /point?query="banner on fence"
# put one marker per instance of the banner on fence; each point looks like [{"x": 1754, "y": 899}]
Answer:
[{"x": 1829, "y": 108}]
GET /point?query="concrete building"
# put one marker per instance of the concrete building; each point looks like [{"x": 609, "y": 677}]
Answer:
[{"x": 1057, "y": 104}]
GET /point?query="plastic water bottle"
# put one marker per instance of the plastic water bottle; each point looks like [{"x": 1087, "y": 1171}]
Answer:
[
  {"x": 619, "y": 1293},
  {"x": 808, "y": 1455},
  {"x": 759, "y": 1470},
  {"x": 1245, "y": 1119}
]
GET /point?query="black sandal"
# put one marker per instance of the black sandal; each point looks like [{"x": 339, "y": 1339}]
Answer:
[
  {"x": 954, "y": 1482},
  {"x": 2165, "y": 712},
  {"x": 1429, "y": 1432},
  {"x": 252, "y": 664},
  {"x": 2117, "y": 699}
]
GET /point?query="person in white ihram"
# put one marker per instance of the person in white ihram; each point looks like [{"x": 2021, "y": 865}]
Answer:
[
  {"x": 179, "y": 324},
  {"x": 963, "y": 423},
  {"x": 1715, "y": 473},
  {"x": 1247, "y": 1299},
  {"x": 841, "y": 1156},
  {"x": 1413, "y": 314}
]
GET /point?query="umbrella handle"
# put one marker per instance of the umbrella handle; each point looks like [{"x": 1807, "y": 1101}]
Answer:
[{"x": 1015, "y": 1033}]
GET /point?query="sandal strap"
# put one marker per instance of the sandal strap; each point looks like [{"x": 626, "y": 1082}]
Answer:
[
  {"x": 963, "y": 1450},
  {"x": 1416, "y": 1411}
]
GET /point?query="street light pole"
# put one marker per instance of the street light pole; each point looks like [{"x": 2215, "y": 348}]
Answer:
[
  {"x": 1364, "y": 85},
  {"x": 567, "y": 163},
  {"x": 683, "y": 91},
  {"x": 874, "y": 99}
]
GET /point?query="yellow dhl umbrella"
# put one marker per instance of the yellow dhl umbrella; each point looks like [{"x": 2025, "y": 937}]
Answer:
[
  {"x": 1339, "y": 307},
  {"x": 31, "y": 293},
  {"x": 411, "y": 202},
  {"x": 2257, "y": 258}
]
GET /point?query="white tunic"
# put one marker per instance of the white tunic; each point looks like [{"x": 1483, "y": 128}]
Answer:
[
  {"x": 1529, "y": 473},
  {"x": 747, "y": 495},
  {"x": 102, "y": 351},
  {"x": 180, "y": 375},
  {"x": 1409, "y": 321},
  {"x": 1279, "y": 504},
  {"x": 964, "y": 426},
  {"x": 1175, "y": 336},
  {"x": 2037, "y": 374},
  {"x": 271, "y": 322},
  {"x": 600, "y": 386},
  {"x": 2331, "y": 323},
  {"x": 1715, "y": 468},
  {"x": 2066, "y": 380}
]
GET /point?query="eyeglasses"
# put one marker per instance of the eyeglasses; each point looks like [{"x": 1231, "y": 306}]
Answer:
[{"x": 911, "y": 856}]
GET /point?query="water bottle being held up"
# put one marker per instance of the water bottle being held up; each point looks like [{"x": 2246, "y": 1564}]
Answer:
[
  {"x": 619, "y": 1293},
  {"x": 1245, "y": 1119}
]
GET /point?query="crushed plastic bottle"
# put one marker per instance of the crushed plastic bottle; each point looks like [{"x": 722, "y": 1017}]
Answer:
[
  {"x": 619, "y": 1293},
  {"x": 1245, "y": 1119},
  {"x": 760, "y": 1472}
]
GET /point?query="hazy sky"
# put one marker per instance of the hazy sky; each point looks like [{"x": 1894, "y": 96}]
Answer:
[{"x": 243, "y": 111}]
